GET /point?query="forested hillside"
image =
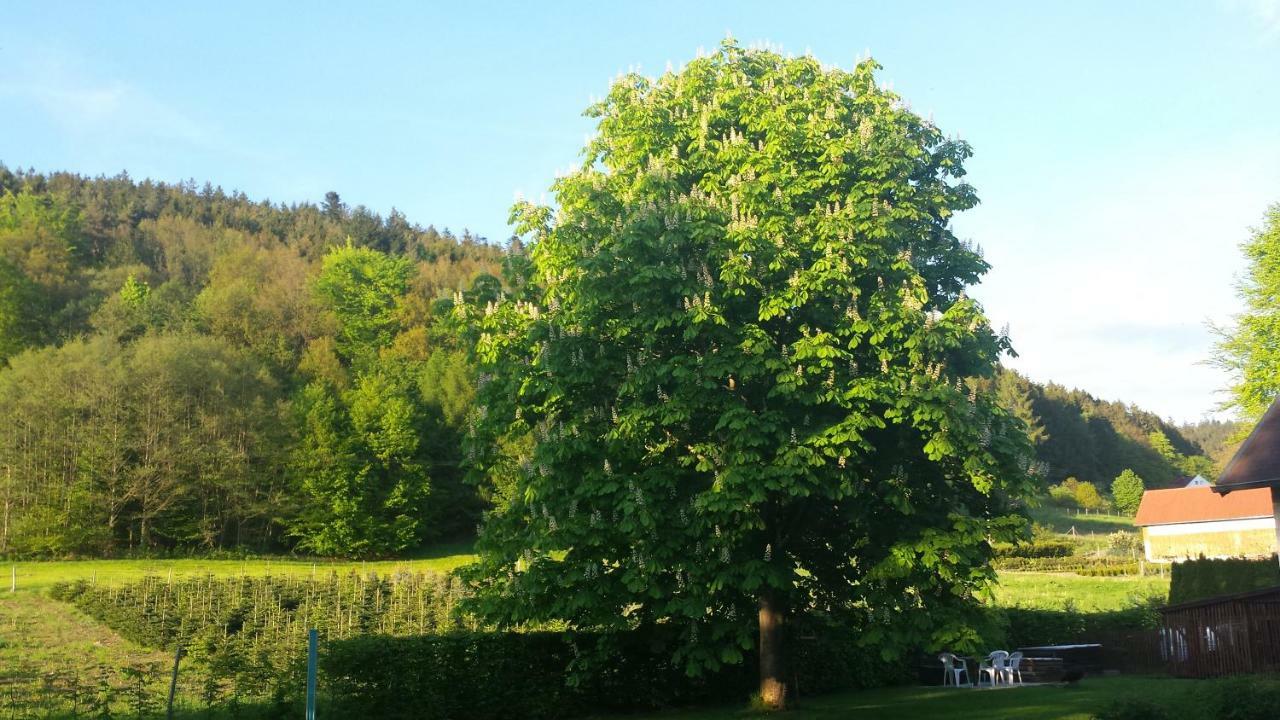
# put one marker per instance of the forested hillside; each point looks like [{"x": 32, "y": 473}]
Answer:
[
  {"x": 189, "y": 368},
  {"x": 1218, "y": 438},
  {"x": 184, "y": 368},
  {"x": 1078, "y": 435}
]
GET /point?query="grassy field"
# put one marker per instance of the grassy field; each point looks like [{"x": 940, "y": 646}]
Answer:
[
  {"x": 40, "y": 575},
  {"x": 1026, "y": 703},
  {"x": 1064, "y": 521},
  {"x": 49, "y": 650},
  {"x": 1026, "y": 589},
  {"x": 1057, "y": 591}
]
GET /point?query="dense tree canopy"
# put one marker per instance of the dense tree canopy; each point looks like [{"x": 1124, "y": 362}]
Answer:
[
  {"x": 1095, "y": 440},
  {"x": 1250, "y": 349},
  {"x": 1126, "y": 492},
  {"x": 184, "y": 368},
  {"x": 744, "y": 372}
]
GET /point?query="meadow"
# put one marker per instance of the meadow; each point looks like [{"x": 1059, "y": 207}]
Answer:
[
  {"x": 1059, "y": 591},
  {"x": 1077, "y": 523},
  {"x": 41, "y": 575}
]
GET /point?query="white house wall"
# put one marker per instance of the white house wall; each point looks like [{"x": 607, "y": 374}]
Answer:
[{"x": 1250, "y": 537}]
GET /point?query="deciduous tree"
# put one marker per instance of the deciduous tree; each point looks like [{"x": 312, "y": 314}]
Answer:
[
  {"x": 744, "y": 373},
  {"x": 1126, "y": 492},
  {"x": 1250, "y": 348}
]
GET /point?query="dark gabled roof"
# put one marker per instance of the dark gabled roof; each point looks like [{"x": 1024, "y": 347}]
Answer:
[{"x": 1257, "y": 462}]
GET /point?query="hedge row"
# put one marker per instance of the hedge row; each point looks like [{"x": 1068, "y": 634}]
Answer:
[
  {"x": 485, "y": 676},
  {"x": 1205, "y": 578},
  {"x": 1038, "y": 548},
  {"x": 1237, "y": 698},
  {"x": 1078, "y": 565},
  {"x": 1023, "y": 627}
]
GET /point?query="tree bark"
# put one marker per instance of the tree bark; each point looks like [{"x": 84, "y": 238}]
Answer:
[{"x": 773, "y": 690}]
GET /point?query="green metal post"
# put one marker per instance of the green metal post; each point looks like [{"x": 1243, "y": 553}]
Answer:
[{"x": 312, "y": 642}]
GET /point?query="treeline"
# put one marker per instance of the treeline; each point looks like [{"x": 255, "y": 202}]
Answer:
[
  {"x": 1079, "y": 436},
  {"x": 1218, "y": 438},
  {"x": 181, "y": 367}
]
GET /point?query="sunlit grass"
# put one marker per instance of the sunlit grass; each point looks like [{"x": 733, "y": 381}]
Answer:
[
  {"x": 39, "y": 576},
  {"x": 1084, "y": 525},
  {"x": 1056, "y": 591}
]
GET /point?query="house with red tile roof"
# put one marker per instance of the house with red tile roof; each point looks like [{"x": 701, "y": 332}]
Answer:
[
  {"x": 1256, "y": 466},
  {"x": 1192, "y": 521}
]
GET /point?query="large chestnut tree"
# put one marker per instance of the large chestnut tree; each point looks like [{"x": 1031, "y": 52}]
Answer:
[{"x": 737, "y": 380}]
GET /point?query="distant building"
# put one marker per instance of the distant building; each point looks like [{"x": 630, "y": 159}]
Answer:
[
  {"x": 1191, "y": 521},
  {"x": 1230, "y": 633},
  {"x": 1180, "y": 481}
]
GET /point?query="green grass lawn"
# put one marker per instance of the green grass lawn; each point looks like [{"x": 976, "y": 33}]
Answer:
[
  {"x": 1055, "y": 591},
  {"x": 40, "y": 575},
  {"x": 47, "y": 648},
  {"x": 1061, "y": 520},
  {"x": 1026, "y": 589},
  {"x": 1026, "y": 703}
]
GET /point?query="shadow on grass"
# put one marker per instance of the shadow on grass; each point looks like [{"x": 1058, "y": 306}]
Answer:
[
  {"x": 1062, "y": 521},
  {"x": 1045, "y": 702}
]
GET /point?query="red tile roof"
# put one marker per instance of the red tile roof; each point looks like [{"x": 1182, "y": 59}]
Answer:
[
  {"x": 1257, "y": 462},
  {"x": 1201, "y": 504}
]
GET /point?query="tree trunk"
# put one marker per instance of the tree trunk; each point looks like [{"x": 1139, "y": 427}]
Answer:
[{"x": 773, "y": 690}]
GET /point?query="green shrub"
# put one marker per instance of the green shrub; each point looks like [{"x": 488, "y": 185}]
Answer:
[
  {"x": 1025, "y": 627},
  {"x": 1245, "y": 698},
  {"x": 1101, "y": 566},
  {"x": 1036, "y": 549},
  {"x": 1064, "y": 495},
  {"x": 1124, "y": 543},
  {"x": 1205, "y": 578},
  {"x": 1126, "y": 491},
  {"x": 1133, "y": 709}
]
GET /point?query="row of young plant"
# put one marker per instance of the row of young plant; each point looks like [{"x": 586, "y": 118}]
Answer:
[
  {"x": 156, "y": 611},
  {"x": 31, "y": 690},
  {"x": 247, "y": 636},
  {"x": 398, "y": 647}
]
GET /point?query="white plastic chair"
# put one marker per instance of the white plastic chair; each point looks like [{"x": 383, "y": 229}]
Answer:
[
  {"x": 993, "y": 666},
  {"x": 1011, "y": 670},
  {"x": 952, "y": 668}
]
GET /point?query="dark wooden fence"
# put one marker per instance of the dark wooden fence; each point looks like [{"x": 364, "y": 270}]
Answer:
[
  {"x": 1139, "y": 651},
  {"x": 1224, "y": 635}
]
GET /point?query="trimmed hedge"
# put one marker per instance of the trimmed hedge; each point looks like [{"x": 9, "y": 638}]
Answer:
[
  {"x": 1025, "y": 627},
  {"x": 486, "y": 676},
  {"x": 1105, "y": 566},
  {"x": 1206, "y": 578},
  {"x": 1038, "y": 548},
  {"x": 1244, "y": 697}
]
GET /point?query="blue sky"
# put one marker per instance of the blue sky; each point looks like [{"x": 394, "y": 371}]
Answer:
[{"x": 1122, "y": 149}]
